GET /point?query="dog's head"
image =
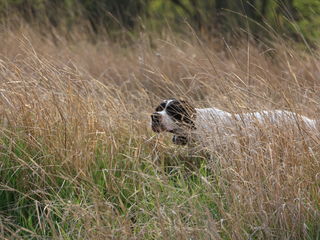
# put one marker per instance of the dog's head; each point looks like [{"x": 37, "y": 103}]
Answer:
[{"x": 175, "y": 116}]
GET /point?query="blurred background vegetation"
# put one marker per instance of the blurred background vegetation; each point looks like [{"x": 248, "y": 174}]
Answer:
[
  {"x": 79, "y": 80},
  {"x": 296, "y": 19}
]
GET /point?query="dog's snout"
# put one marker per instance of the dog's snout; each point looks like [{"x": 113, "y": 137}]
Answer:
[
  {"x": 156, "y": 122},
  {"x": 155, "y": 117}
]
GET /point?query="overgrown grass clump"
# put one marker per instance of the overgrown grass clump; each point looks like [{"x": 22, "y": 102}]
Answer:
[{"x": 79, "y": 160}]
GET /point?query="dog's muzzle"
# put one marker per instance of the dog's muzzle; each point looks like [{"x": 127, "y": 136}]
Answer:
[{"x": 156, "y": 122}]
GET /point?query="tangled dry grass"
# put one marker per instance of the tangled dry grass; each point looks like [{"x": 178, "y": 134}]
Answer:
[{"x": 79, "y": 160}]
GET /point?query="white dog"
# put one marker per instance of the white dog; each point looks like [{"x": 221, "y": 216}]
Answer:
[{"x": 189, "y": 124}]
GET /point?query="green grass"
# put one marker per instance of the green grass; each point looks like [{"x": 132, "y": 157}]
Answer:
[{"x": 36, "y": 195}]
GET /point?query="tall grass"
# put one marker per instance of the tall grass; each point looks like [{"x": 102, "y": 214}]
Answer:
[{"x": 79, "y": 160}]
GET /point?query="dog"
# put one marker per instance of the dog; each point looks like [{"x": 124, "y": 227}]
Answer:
[{"x": 191, "y": 125}]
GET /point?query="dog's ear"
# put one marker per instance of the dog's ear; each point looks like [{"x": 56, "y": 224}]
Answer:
[
  {"x": 190, "y": 115},
  {"x": 189, "y": 108}
]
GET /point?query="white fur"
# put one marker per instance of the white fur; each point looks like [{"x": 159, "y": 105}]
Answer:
[
  {"x": 215, "y": 127},
  {"x": 166, "y": 120},
  {"x": 209, "y": 117}
]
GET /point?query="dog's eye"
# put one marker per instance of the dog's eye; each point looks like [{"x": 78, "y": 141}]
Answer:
[
  {"x": 161, "y": 107},
  {"x": 175, "y": 112}
]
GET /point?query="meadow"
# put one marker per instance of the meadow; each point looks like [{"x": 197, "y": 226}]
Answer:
[{"x": 78, "y": 159}]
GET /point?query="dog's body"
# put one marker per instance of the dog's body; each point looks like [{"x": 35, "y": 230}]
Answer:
[
  {"x": 210, "y": 117},
  {"x": 190, "y": 124}
]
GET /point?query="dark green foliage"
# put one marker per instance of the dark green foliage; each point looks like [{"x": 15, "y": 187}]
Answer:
[
  {"x": 106, "y": 13},
  {"x": 297, "y": 18}
]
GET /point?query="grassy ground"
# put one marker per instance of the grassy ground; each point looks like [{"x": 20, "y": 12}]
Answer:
[{"x": 79, "y": 160}]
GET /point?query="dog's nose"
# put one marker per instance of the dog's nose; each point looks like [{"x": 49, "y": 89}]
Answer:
[
  {"x": 155, "y": 122},
  {"x": 155, "y": 117}
]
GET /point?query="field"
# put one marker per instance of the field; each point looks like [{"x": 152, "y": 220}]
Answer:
[{"x": 79, "y": 159}]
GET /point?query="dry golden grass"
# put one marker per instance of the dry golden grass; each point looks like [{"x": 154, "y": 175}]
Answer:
[{"x": 77, "y": 150}]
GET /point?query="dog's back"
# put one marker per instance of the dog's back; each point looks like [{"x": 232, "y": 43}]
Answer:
[{"x": 216, "y": 127}]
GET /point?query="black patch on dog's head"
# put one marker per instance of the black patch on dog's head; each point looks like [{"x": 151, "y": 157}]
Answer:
[
  {"x": 181, "y": 112},
  {"x": 161, "y": 106}
]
